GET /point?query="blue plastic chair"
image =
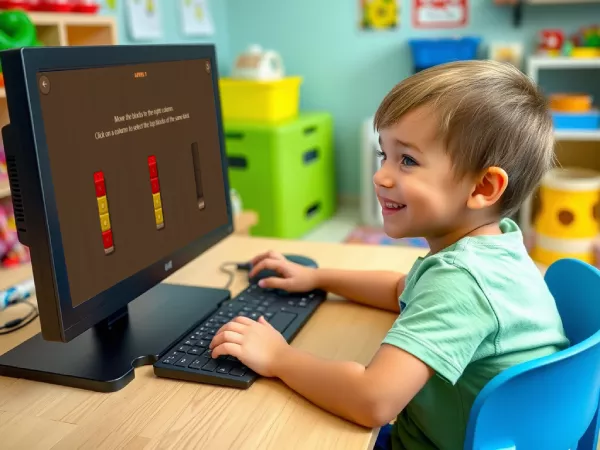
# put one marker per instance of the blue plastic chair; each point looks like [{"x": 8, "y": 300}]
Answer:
[{"x": 551, "y": 402}]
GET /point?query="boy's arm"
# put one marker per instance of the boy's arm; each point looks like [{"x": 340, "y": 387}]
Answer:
[
  {"x": 370, "y": 396},
  {"x": 380, "y": 289}
]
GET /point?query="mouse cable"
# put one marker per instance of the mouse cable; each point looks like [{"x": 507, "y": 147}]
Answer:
[
  {"x": 230, "y": 271},
  {"x": 17, "y": 324}
]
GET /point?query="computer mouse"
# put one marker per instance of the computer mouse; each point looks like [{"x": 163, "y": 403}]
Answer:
[{"x": 298, "y": 259}]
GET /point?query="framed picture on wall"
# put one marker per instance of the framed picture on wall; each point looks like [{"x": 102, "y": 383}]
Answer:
[{"x": 440, "y": 13}]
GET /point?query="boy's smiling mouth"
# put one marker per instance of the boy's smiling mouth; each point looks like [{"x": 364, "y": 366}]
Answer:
[{"x": 389, "y": 207}]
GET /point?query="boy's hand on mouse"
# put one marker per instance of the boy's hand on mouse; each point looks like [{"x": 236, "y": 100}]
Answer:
[
  {"x": 294, "y": 277},
  {"x": 255, "y": 343}
]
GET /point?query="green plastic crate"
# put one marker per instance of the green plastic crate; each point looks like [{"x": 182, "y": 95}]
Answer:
[{"x": 284, "y": 172}]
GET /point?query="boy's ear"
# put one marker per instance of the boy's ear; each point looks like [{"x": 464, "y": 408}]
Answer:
[{"x": 488, "y": 189}]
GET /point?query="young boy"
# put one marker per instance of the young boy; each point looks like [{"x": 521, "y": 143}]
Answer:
[{"x": 463, "y": 145}]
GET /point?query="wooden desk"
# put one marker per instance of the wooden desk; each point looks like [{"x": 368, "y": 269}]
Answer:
[{"x": 153, "y": 413}]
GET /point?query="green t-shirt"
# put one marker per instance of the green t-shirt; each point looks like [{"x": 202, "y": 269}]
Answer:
[{"x": 469, "y": 312}]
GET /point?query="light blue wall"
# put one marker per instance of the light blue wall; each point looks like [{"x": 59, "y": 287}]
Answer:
[
  {"x": 172, "y": 25},
  {"x": 346, "y": 71}
]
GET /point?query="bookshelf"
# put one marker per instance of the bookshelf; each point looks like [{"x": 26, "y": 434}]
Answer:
[{"x": 64, "y": 29}]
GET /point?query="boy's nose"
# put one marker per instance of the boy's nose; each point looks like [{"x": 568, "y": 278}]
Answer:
[{"x": 382, "y": 178}]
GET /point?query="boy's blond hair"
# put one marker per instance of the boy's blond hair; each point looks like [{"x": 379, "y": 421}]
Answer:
[{"x": 490, "y": 114}]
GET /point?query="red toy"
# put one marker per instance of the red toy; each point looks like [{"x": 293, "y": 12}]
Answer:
[{"x": 551, "y": 40}]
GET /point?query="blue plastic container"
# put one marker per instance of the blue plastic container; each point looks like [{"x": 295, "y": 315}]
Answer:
[
  {"x": 431, "y": 52},
  {"x": 576, "y": 121}
]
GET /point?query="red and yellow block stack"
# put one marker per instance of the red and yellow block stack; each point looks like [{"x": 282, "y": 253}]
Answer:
[
  {"x": 155, "y": 185},
  {"x": 101, "y": 198}
]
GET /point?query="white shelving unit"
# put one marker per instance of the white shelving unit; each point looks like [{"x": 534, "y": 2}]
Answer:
[{"x": 535, "y": 64}]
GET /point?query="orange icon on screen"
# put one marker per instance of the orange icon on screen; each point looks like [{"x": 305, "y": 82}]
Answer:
[
  {"x": 102, "y": 203},
  {"x": 155, "y": 189}
]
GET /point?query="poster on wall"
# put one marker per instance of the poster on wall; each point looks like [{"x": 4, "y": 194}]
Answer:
[
  {"x": 143, "y": 19},
  {"x": 440, "y": 13},
  {"x": 378, "y": 14},
  {"x": 196, "y": 18}
]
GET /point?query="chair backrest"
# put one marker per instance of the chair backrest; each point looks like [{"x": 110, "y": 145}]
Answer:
[{"x": 550, "y": 402}]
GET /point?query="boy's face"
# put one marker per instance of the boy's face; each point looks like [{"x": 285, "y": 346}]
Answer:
[{"x": 416, "y": 187}]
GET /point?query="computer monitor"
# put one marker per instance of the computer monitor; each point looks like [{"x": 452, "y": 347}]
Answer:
[{"x": 118, "y": 176}]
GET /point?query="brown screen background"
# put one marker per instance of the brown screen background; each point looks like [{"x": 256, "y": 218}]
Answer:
[{"x": 85, "y": 101}]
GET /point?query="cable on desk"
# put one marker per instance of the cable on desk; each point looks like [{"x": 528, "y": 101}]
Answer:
[
  {"x": 230, "y": 272},
  {"x": 17, "y": 324}
]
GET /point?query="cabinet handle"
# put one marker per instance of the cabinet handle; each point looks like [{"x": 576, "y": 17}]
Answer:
[
  {"x": 310, "y": 155},
  {"x": 237, "y": 135},
  {"x": 310, "y": 130},
  {"x": 313, "y": 209},
  {"x": 237, "y": 162}
]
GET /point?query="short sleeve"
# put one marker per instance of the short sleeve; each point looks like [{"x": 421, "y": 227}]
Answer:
[{"x": 446, "y": 318}]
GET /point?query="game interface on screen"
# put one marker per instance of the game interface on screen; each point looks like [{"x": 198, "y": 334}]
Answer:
[{"x": 136, "y": 166}]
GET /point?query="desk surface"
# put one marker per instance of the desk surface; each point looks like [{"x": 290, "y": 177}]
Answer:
[{"x": 152, "y": 413}]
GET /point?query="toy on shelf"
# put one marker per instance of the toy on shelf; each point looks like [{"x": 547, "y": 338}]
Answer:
[
  {"x": 16, "y": 30},
  {"x": 574, "y": 112},
  {"x": 567, "y": 223},
  {"x": 59, "y": 6},
  {"x": 583, "y": 44},
  {"x": 551, "y": 42}
]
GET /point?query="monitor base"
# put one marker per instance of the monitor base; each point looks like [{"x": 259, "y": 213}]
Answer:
[{"x": 103, "y": 358}]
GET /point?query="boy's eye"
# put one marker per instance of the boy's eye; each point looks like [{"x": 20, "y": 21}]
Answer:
[
  {"x": 380, "y": 154},
  {"x": 408, "y": 161}
]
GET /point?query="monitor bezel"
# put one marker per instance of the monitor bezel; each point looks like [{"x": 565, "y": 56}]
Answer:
[{"x": 72, "y": 321}]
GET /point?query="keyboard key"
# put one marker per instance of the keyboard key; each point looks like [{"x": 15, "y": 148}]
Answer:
[
  {"x": 281, "y": 320},
  {"x": 231, "y": 315},
  {"x": 176, "y": 354},
  {"x": 208, "y": 337},
  {"x": 195, "y": 351},
  {"x": 190, "y": 342},
  {"x": 242, "y": 298},
  {"x": 169, "y": 360},
  {"x": 291, "y": 303},
  {"x": 238, "y": 371},
  {"x": 183, "y": 348},
  {"x": 302, "y": 304},
  {"x": 198, "y": 363},
  {"x": 224, "y": 367},
  {"x": 266, "y": 303},
  {"x": 232, "y": 358},
  {"x": 268, "y": 315},
  {"x": 261, "y": 309},
  {"x": 243, "y": 314},
  {"x": 254, "y": 315},
  {"x": 184, "y": 362},
  {"x": 202, "y": 343},
  {"x": 248, "y": 309},
  {"x": 210, "y": 366}
]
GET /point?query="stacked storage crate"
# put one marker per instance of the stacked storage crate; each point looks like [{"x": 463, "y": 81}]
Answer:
[{"x": 280, "y": 159}]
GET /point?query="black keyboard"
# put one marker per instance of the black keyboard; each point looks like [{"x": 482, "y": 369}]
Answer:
[{"x": 190, "y": 358}]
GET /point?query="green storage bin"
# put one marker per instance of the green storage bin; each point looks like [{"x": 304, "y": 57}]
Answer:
[{"x": 284, "y": 172}]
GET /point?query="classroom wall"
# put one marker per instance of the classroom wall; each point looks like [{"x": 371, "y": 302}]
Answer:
[
  {"x": 170, "y": 12},
  {"x": 347, "y": 71}
]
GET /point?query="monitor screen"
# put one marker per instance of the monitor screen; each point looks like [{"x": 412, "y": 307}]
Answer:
[{"x": 135, "y": 163}]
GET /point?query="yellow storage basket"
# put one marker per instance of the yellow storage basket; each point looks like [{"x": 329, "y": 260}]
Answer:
[{"x": 266, "y": 101}]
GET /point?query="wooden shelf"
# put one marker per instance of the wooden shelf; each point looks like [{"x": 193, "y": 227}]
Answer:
[
  {"x": 59, "y": 30},
  {"x": 577, "y": 135}
]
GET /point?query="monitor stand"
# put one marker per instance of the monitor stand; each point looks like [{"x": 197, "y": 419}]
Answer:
[{"x": 103, "y": 358}]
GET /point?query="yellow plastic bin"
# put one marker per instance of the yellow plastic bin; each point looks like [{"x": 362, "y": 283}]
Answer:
[
  {"x": 265, "y": 101},
  {"x": 567, "y": 223}
]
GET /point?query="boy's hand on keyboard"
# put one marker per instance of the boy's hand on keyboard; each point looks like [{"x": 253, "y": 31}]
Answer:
[
  {"x": 294, "y": 277},
  {"x": 255, "y": 343}
]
